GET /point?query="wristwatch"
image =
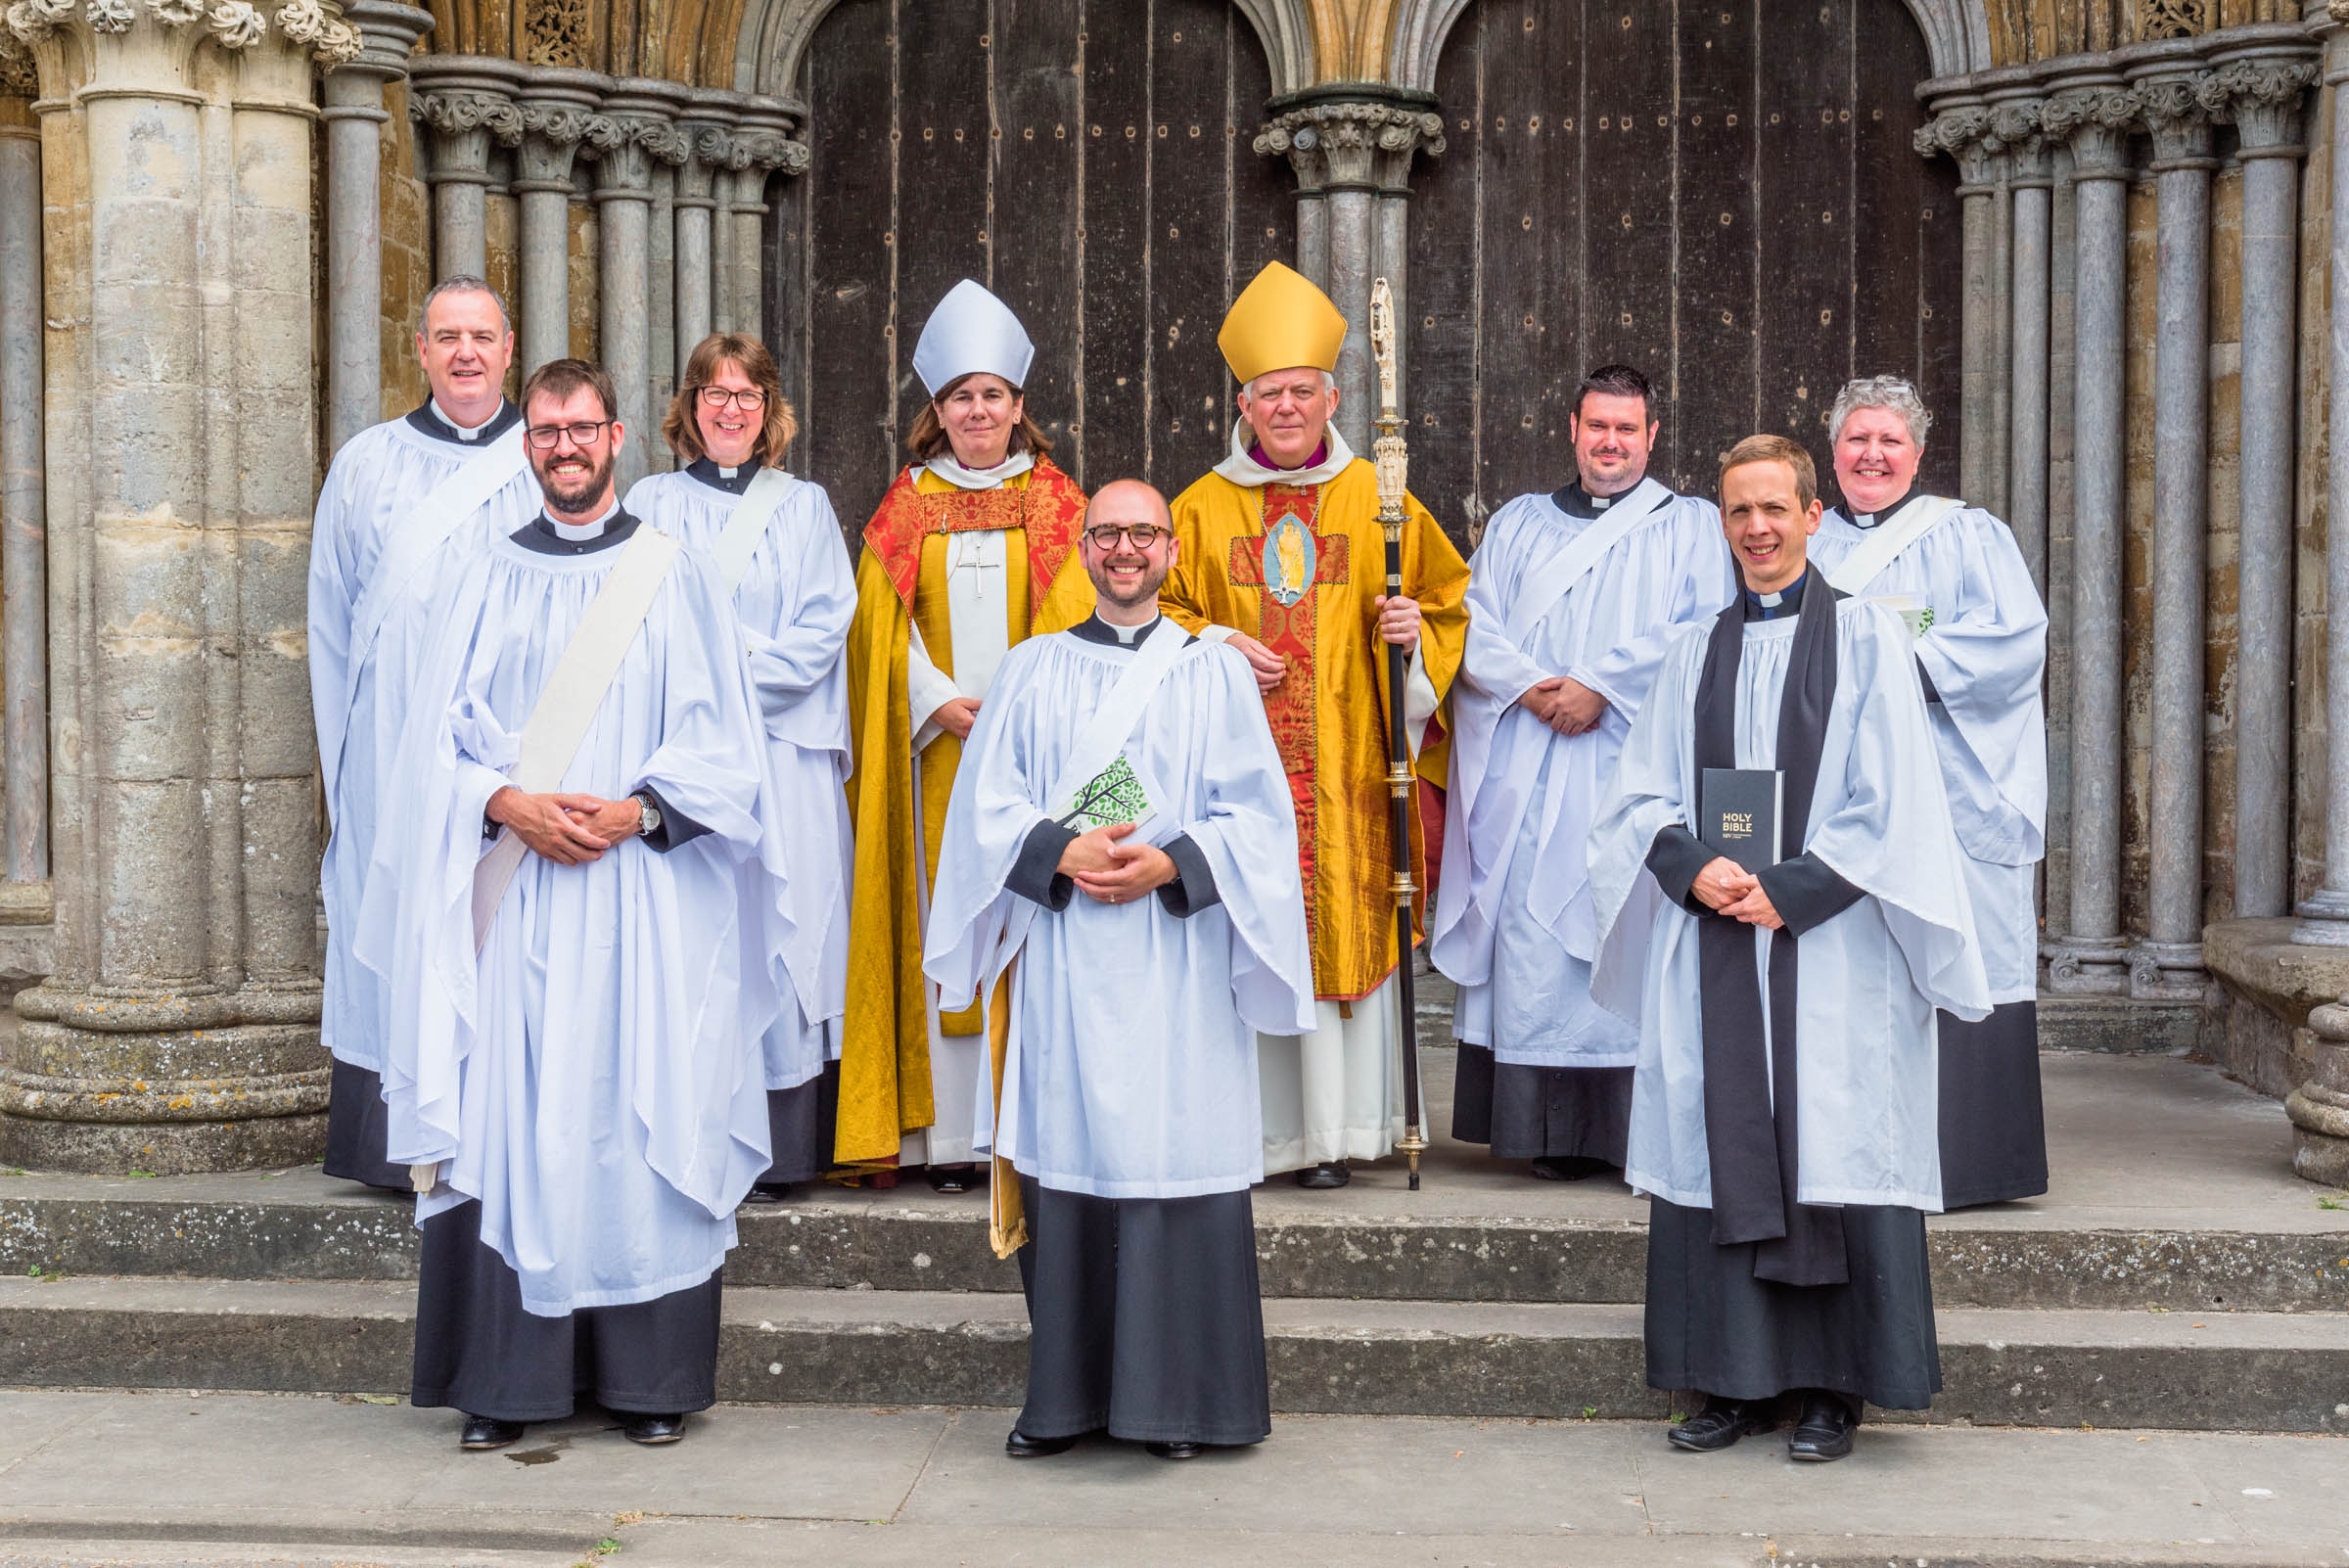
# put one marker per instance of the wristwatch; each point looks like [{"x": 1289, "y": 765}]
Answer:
[{"x": 648, "y": 820}]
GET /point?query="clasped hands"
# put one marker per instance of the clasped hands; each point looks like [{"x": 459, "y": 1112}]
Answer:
[
  {"x": 1727, "y": 888},
  {"x": 1397, "y": 623},
  {"x": 567, "y": 829},
  {"x": 1108, "y": 871},
  {"x": 1564, "y": 704}
]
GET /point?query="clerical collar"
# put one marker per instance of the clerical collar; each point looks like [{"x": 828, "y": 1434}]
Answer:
[
  {"x": 732, "y": 481},
  {"x": 432, "y": 420},
  {"x": 1575, "y": 501},
  {"x": 547, "y": 536},
  {"x": 1256, "y": 455},
  {"x": 1777, "y": 606},
  {"x": 1884, "y": 514},
  {"x": 1092, "y": 628},
  {"x": 949, "y": 467}
]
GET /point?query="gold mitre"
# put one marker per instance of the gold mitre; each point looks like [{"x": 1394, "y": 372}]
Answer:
[{"x": 1279, "y": 322}]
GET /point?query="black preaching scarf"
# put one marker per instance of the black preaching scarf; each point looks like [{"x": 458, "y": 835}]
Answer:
[{"x": 1754, "y": 1152}]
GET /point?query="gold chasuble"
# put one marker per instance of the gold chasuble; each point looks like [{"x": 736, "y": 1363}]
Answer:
[
  {"x": 902, "y": 586},
  {"x": 1296, "y": 567}
]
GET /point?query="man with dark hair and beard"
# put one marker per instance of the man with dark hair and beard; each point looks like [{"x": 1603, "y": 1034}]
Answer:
[
  {"x": 570, "y": 917},
  {"x": 1122, "y": 827}
]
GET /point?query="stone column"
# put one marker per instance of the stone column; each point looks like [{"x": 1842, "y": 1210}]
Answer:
[
  {"x": 557, "y": 106},
  {"x": 668, "y": 150},
  {"x": 466, "y": 101},
  {"x": 1961, "y": 128},
  {"x": 2063, "y": 250},
  {"x": 2032, "y": 187},
  {"x": 765, "y": 146},
  {"x": 2319, "y": 1106},
  {"x": 25, "y": 894},
  {"x": 354, "y": 238},
  {"x": 1354, "y": 154},
  {"x": 2094, "y": 114},
  {"x": 696, "y": 207},
  {"x": 730, "y": 155},
  {"x": 2168, "y": 963},
  {"x": 2260, "y": 86},
  {"x": 2325, "y": 914},
  {"x": 179, "y": 1027},
  {"x": 624, "y": 188}
]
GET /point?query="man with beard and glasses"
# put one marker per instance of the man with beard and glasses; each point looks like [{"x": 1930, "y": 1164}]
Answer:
[
  {"x": 405, "y": 503},
  {"x": 568, "y": 916},
  {"x": 1120, "y": 841},
  {"x": 1781, "y": 906},
  {"x": 1572, "y": 599}
]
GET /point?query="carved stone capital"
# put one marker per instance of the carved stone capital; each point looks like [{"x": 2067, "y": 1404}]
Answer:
[
  {"x": 2265, "y": 99},
  {"x": 464, "y": 111},
  {"x": 2016, "y": 126},
  {"x": 1965, "y": 135},
  {"x": 2179, "y": 122},
  {"x": 19, "y": 76},
  {"x": 2096, "y": 122},
  {"x": 1352, "y": 144},
  {"x": 233, "y": 24}
]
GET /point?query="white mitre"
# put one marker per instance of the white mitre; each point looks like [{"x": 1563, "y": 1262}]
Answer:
[{"x": 972, "y": 332}]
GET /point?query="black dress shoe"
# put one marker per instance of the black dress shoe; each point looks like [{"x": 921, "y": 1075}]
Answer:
[
  {"x": 1322, "y": 1177},
  {"x": 953, "y": 1177},
  {"x": 1177, "y": 1451},
  {"x": 1722, "y": 1425},
  {"x": 488, "y": 1432},
  {"x": 1825, "y": 1432},
  {"x": 1569, "y": 1167},
  {"x": 651, "y": 1430},
  {"x": 768, "y": 1193},
  {"x": 1019, "y": 1445}
]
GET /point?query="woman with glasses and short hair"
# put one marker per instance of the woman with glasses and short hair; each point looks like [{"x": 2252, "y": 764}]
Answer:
[
  {"x": 777, "y": 545},
  {"x": 971, "y": 552}
]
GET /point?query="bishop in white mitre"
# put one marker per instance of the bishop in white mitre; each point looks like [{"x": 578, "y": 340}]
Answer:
[
  {"x": 405, "y": 502},
  {"x": 1572, "y": 599},
  {"x": 972, "y": 550},
  {"x": 1122, "y": 844},
  {"x": 578, "y": 984},
  {"x": 1956, "y": 573},
  {"x": 1781, "y": 906},
  {"x": 776, "y": 544}
]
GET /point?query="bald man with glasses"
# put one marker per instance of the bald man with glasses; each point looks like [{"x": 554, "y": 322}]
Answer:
[{"x": 1120, "y": 841}]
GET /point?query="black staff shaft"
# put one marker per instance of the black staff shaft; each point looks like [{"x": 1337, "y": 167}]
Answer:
[{"x": 1399, "y": 781}]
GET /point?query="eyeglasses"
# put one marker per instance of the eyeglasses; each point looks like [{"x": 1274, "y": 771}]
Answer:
[
  {"x": 1141, "y": 534},
  {"x": 750, "y": 399},
  {"x": 548, "y": 437}
]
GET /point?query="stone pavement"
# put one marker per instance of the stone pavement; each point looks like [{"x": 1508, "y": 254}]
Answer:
[{"x": 158, "y": 1478}]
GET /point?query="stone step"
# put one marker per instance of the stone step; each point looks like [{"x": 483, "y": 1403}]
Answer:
[
  {"x": 215, "y": 1229},
  {"x": 304, "y": 1227},
  {"x": 2250, "y": 1371}
]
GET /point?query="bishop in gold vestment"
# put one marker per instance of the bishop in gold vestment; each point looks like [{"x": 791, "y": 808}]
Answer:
[
  {"x": 1281, "y": 552},
  {"x": 972, "y": 550}
]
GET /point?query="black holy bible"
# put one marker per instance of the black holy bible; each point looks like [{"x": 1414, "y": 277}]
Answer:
[{"x": 1741, "y": 812}]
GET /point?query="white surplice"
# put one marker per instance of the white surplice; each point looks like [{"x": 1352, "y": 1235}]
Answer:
[
  {"x": 1514, "y": 896},
  {"x": 1132, "y": 1065},
  {"x": 796, "y": 601},
  {"x": 593, "y": 1076},
  {"x": 1987, "y": 654},
  {"x": 979, "y": 626},
  {"x": 376, "y": 481},
  {"x": 1871, "y": 976}
]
